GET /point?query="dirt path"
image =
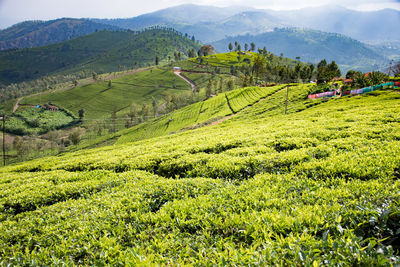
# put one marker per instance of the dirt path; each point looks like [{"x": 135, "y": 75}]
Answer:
[
  {"x": 17, "y": 104},
  {"x": 178, "y": 73},
  {"x": 222, "y": 120}
]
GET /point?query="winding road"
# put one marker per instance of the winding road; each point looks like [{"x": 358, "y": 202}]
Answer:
[
  {"x": 17, "y": 104},
  {"x": 178, "y": 73}
]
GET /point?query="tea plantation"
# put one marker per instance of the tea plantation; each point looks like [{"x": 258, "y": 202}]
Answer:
[{"x": 317, "y": 186}]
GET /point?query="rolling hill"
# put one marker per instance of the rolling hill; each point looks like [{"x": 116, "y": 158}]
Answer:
[
  {"x": 40, "y": 33},
  {"x": 317, "y": 185},
  {"x": 101, "y": 52},
  {"x": 313, "y": 46}
]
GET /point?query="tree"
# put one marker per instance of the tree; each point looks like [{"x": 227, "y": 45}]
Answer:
[
  {"x": 109, "y": 83},
  {"x": 246, "y": 46},
  {"x": 75, "y": 137},
  {"x": 230, "y": 47},
  {"x": 154, "y": 103},
  {"x": 191, "y": 53},
  {"x": 145, "y": 111},
  {"x": 94, "y": 76},
  {"x": 157, "y": 60},
  {"x": 333, "y": 70},
  {"x": 245, "y": 79},
  {"x": 259, "y": 65},
  {"x": 252, "y": 46},
  {"x": 221, "y": 85},
  {"x": 238, "y": 48},
  {"x": 352, "y": 74},
  {"x": 75, "y": 82},
  {"x": 321, "y": 70},
  {"x": 230, "y": 84},
  {"x": 132, "y": 114},
  {"x": 264, "y": 51},
  {"x": 209, "y": 89},
  {"x": 81, "y": 114},
  {"x": 113, "y": 128}
]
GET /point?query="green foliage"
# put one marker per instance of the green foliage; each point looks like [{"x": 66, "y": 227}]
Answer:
[
  {"x": 31, "y": 120},
  {"x": 41, "y": 33},
  {"x": 317, "y": 186},
  {"x": 313, "y": 46},
  {"x": 100, "y": 52},
  {"x": 99, "y": 99}
]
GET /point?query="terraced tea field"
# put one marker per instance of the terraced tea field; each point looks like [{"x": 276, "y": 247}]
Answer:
[{"x": 317, "y": 186}]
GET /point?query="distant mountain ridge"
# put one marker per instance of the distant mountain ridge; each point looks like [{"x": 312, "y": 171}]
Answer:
[
  {"x": 201, "y": 20},
  {"x": 210, "y": 23},
  {"x": 39, "y": 33},
  {"x": 218, "y": 24}
]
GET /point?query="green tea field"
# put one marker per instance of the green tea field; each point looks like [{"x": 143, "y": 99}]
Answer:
[
  {"x": 99, "y": 100},
  {"x": 318, "y": 186}
]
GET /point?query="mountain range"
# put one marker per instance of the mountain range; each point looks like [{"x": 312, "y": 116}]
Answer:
[
  {"x": 210, "y": 23},
  {"x": 330, "y": 32}
]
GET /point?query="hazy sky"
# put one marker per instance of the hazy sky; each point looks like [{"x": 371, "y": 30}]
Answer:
[{"x": 13, "y": 11}]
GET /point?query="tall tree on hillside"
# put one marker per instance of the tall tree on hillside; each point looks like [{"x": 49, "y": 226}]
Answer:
[
  {"x": 81, "y": 114},
  {"x": 209, "y": 89},
  {"x": 145, "y": 111},
  {"x": 157, "y": 60},
  {"x": 252, "y": 47},
  {"x": 154, "y": 103},
  {"x": 113, "y": 124},
  {"x": 333, "y": 71},
  {"x": 132, "y": 114},
  {"x": 259, "y": 65},
  {"x": 246, "y": 46},
  {"x": 191, "y": 53},
  {"x": 321, "y": 70},
  {"x": 230, "y": 47}
]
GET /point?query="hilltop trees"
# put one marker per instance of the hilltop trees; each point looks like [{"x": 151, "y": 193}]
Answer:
[
  {"x": 259, "y": 65},
  {"x": 252, "y": 47},
  {"x": 230, "y": 47},
  {"x": 326, "y": 72}
]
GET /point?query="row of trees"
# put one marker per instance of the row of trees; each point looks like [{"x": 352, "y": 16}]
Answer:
[{"x": 238, "y": 47}]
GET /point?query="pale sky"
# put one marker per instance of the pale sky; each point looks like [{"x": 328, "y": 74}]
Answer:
[{"x": 14, "y": 11}]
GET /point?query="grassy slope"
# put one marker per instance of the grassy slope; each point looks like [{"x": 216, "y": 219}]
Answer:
[
  {"x": 193, "y": 116},
  {"x": 99, "y": 101},
  {"x": 101, "y": 52},
  {"x": 313, "y": 46},
  {"x": 319, "y": 185},
  {"x": 224, "y": 61}
]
